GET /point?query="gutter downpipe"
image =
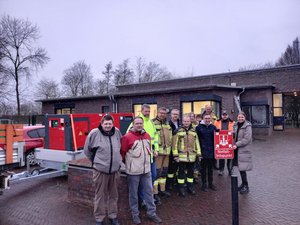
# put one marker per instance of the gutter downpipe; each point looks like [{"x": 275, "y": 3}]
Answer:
[
  {"x": 115, "y": 103},
  {"x": 237, "y": 100}
]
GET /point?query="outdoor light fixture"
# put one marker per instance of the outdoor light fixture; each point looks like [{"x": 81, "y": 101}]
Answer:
[{"x": 295, "y": 93}]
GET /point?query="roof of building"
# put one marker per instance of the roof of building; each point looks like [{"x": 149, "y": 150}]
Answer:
[{"x": 192, "y": 83}]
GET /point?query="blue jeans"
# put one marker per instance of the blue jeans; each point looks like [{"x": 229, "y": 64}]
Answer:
[
  {"x": 134, "y": 182},
  {"x": 153, "y": 176}
]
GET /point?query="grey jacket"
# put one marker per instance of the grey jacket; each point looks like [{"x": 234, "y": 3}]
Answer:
[
  {"x": 104, "y": 150},
  {"x": 243, "y": 142}
]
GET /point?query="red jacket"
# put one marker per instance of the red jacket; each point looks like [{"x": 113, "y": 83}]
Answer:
[{"x": 136, "y": 152}]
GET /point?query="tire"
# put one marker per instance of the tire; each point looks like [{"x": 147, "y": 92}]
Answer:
[{"x": 31, "y": 158}]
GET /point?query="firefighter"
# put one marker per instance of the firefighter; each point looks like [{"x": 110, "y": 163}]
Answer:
[
  {"x": 186, "y": 148},
  {"x": 225, "y": 123},
  {"x": 164, "y": 132}
]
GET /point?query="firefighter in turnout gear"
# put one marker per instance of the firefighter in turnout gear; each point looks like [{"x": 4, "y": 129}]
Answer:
[
  {"x": 186, "y": 148},
  {"x": 164, "y": 133}
]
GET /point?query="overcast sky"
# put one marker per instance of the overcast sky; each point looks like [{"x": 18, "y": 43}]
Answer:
[{"x": 189, "y": 37}]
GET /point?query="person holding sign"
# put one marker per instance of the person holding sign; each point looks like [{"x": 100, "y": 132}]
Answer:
[
  {"x": 225, "y": 123},
  {"x": 243, "y": 154}
]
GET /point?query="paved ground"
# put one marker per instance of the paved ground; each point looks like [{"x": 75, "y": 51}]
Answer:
[{"x": 274, "y": 196}]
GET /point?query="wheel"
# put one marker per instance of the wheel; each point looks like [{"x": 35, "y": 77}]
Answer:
[
  {"x": 35, "y": 172},
  {"x": 31, "y": 158}
]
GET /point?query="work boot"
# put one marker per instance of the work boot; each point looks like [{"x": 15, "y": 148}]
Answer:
[
  {"x": 204, "y": 187},
  {"x": 191, "y": 189},
  {"x": 157, "y": 200},
  {"x": 114, "y": 221},
  {"x": 244, "y": 189},
  {"x": 164, "y": 194},
  {"x": 155, "y": 218},
  {"x": 212, "y": 187},
  {"x": 181, "y": 191},
  {"x": 240, "y": 187},
  {"x": 136, "y": 219}
]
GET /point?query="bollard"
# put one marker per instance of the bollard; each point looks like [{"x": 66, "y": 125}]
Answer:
[{"x": 235, "y": 196}]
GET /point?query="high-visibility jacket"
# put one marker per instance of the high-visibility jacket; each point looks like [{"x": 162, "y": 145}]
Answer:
[
  {"x": 164, "y": 133},
  {"x": 218, "y": 124},
  {"x": 186, "y": 145}
]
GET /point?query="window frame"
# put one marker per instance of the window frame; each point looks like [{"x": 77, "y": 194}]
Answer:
[{"x": 249, "y": 117}]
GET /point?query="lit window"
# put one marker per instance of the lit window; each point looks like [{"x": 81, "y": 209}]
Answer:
[{"x": 137, "y": 108}]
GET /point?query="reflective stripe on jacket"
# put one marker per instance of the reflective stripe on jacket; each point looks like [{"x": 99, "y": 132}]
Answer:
[
  {"x": 186, "y": 145},
  {"x": 164, "y": 133}
]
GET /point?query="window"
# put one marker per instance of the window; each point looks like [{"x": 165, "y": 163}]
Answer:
[
  {"x": 137, "y": 108},
  {"x": 199, "y": 106},
  {"x": 64, "y": 111},
  {"x": 36, "y": 133},
  {"x": 277, "y": 105},
  {"x": 257, "y": 114},
  {"x": 278, "y": 119},
  {"x": 105, "y": 109}
]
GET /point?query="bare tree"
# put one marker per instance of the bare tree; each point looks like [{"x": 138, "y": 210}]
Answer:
[
  {"x": 108, "y": 77},
  {"x": 140, "y": 68},
  {"x": 154, "y": 72},
  {"x": 291, "y": 55},
  {"x": 123, "y": 74},
  {"x": 100, "y": 87},
  {"x": 78, "y": 79},
  {"x": 30, "y": 108},
  {"x": 47, "y": 88},
  {"x": 20, "y": 58},
  {"x": 257, "y": 66}
]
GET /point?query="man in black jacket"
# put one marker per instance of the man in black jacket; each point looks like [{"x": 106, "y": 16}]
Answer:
[
  {"x": 172, "y": 168},
  {"x": 205, "y": 132}
]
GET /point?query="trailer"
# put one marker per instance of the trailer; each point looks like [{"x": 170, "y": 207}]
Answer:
[{"x": 64, "y": 141}]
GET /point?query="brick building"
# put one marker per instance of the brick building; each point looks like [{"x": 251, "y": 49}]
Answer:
[{"x": 265, "y": 95}]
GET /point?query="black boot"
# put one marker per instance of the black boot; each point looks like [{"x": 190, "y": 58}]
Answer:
[
  {"x": 191, "y": 189},
  {"x": 212, "y": 187},
  {"x": 164, "y": 194},
  {"x": 157, "y": 199},
  {"x": 181, "y": 191},
  {"x": 204, "y": 187},
  {"x": 244, "y": 189},
  {"x": 240, "y": 187}
]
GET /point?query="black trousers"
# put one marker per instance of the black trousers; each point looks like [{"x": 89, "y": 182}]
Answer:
[
  {"x": 244, "y": 178},
  {"x": 172, "y": 168},
  {"x": 182, "y": 166},
  {"x": 207, "y": 168}
]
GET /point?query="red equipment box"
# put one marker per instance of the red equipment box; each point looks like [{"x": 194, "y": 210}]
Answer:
[
  {"x": 68, "y": 132},
  {"x": 224, "y": 145}
]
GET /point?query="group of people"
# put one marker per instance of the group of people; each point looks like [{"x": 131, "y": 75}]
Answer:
[{"x": 158, "y": 154}]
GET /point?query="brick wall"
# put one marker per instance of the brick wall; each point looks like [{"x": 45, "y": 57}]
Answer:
[{"x": 81, "y": 189}]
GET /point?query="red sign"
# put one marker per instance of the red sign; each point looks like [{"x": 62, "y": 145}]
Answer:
[{"x": 224, "y": 145}]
